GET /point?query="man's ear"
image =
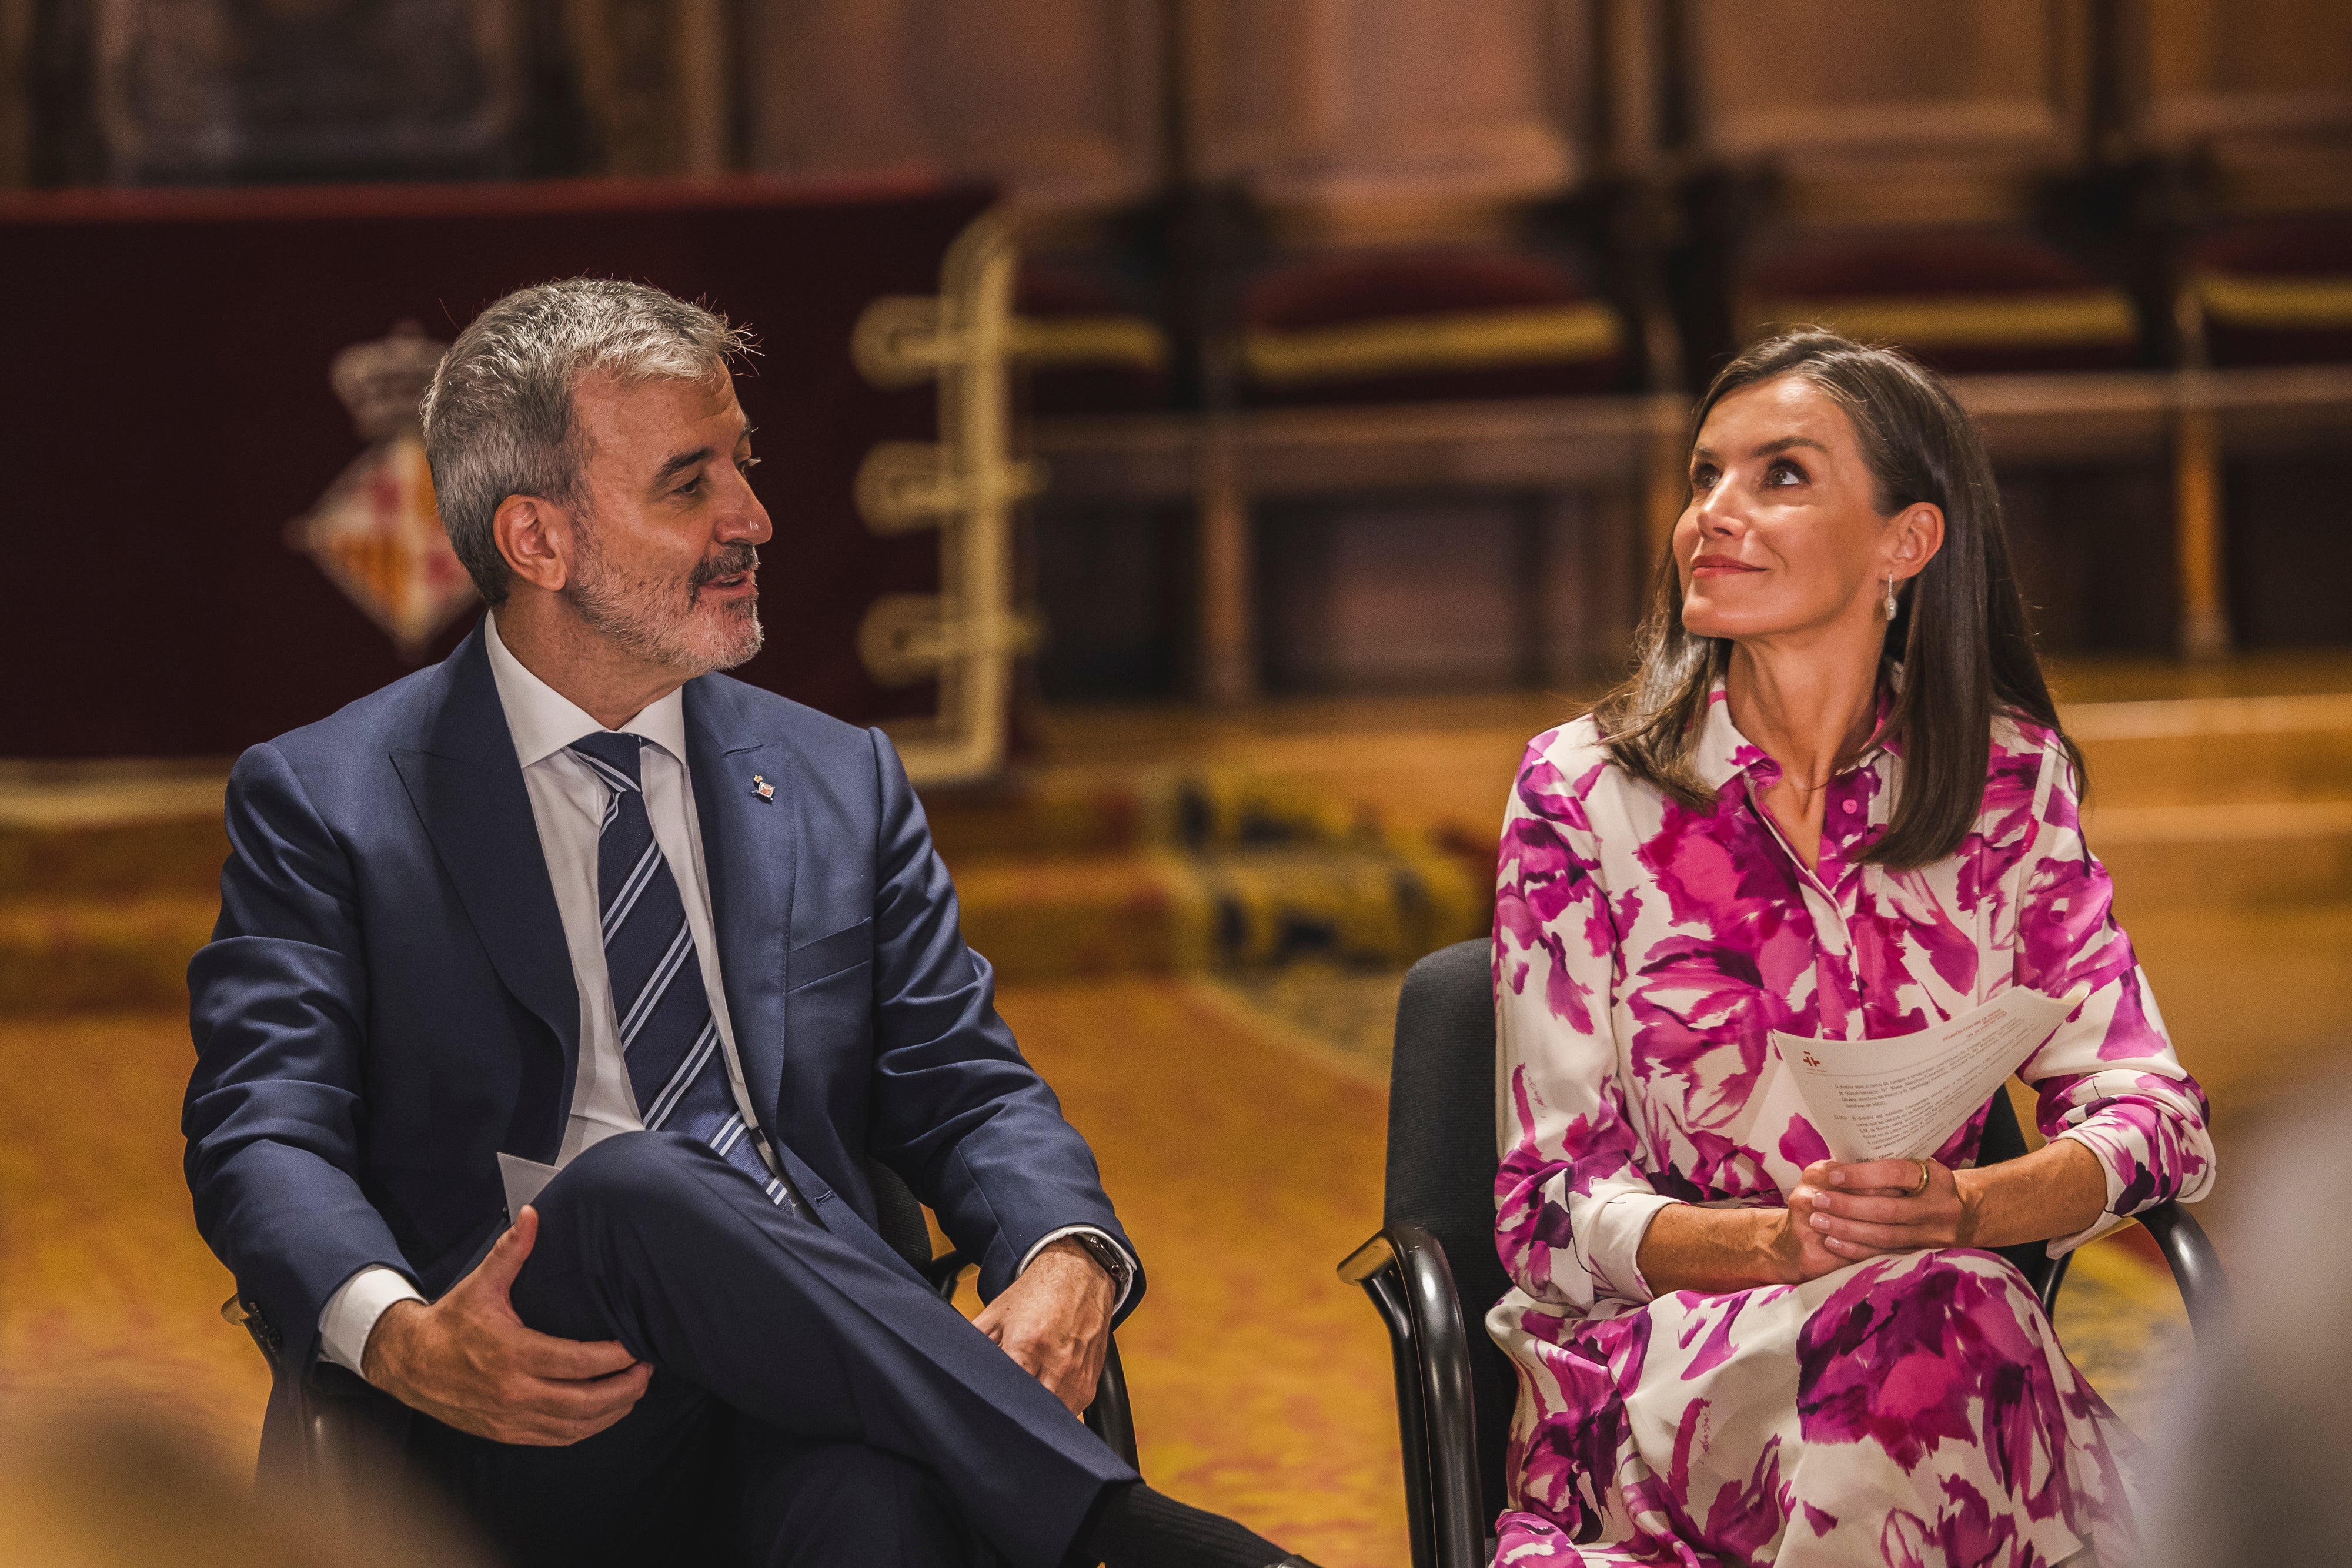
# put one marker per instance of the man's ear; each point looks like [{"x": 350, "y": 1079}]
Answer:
[
  {"x": 535, "y": 536},
  {"x": 1919, "y": 535}
]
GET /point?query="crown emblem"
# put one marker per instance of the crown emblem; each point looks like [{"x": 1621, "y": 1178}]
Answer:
[
  {"x": 383, "y": 383},
  {"x": 375, "y": 532}
]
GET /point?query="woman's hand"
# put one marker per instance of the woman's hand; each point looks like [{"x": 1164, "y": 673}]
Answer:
[
  {"x": 1808, "y": 1246},
  {"x": 1861, "y": 1210},
  {"x": 1688, "y": 1247}
]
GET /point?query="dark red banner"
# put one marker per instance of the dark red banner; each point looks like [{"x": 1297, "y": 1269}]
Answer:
[{"x": 168, "y": 414}]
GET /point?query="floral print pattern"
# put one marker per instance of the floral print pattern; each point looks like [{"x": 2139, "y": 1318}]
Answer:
[{"x": 1912, "y": 1409}]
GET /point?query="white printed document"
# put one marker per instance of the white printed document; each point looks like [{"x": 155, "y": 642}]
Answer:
[{"x": 1900, "y": 1098}]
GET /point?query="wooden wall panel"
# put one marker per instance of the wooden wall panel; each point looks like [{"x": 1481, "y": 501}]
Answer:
[
  {"x": 1055, "y": 99},
  {"x": 1344, "y": 99},
  {"x": 15, "y": 93},
  {"x": 1792, "y": 76},
  {"x": 2225, "y": 67}
]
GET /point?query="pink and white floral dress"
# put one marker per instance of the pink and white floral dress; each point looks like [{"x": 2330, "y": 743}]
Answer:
[{"x": 1912, "y": 1409}]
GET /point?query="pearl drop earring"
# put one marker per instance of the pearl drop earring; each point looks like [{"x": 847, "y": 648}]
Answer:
[{"x": 1890, "y": 596}]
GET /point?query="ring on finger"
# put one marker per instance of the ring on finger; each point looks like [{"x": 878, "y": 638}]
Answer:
[{"x": 1926, "y": 1175}]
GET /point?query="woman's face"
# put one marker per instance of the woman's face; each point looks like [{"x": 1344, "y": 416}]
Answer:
[{"x": 1782, "y": 536}]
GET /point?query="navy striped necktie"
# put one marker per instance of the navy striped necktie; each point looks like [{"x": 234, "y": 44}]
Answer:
[{"x": 667, "y": 1034}]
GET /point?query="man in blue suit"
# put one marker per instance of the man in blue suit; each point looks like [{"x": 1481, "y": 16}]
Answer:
[{"x": 571, "y": 907}]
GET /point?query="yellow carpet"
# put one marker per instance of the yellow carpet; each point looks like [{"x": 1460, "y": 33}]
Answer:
[
  {"x": 1261, "y": 1383},
  {"x": 1244, "y": 1173},
  {"x": 105, "y": 1289}
]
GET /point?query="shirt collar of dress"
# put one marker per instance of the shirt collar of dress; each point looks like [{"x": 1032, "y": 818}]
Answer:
[
  {"x": 542, "y": 721},
  {"x": 1724, "y": 753}
]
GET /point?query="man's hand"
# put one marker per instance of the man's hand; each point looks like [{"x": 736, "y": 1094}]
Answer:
[
  {"x": 468, "y": 1362},
  {"x": 1056, "y": 1322}
]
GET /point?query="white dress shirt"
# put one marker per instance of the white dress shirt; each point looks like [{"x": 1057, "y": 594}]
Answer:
[{"x": 567, "y": 803}]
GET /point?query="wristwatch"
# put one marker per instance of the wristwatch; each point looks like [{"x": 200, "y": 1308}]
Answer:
[{"x": 1104, "y": 1251}]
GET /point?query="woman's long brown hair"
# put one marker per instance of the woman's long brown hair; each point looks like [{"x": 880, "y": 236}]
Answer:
[{"x": 1961, "y": 631}]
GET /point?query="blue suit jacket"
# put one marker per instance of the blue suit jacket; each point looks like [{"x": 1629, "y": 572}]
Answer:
[{"x": 387, "y": 1001}]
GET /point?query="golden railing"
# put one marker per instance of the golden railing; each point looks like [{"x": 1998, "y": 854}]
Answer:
[{"x": 966, "y": 485}]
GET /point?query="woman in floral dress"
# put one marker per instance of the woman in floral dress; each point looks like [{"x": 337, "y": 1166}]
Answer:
[{"x": 1835, "y": 801}]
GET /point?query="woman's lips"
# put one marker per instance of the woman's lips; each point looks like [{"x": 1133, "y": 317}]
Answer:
[{"x": 1720, "y": 566}]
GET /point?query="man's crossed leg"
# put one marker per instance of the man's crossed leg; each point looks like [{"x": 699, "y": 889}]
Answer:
[{"x": 806, "y": 1397}]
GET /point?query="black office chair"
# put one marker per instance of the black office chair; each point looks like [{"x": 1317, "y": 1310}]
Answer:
[
  {"x": 343, "y": 1422},
  {"x": 1455, "y": 1387}
]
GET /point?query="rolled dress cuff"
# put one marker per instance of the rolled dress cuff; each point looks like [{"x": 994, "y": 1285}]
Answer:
[
  {"x": 351, "y": 1311},
  {"x": 1611, "y": 1232},
  {"x": 2108, "y": 1219}
]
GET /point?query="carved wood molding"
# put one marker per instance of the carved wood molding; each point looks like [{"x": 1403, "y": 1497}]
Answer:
[
  {"x": 211, "y": 89},
  {"x": 655, "y": 83}
]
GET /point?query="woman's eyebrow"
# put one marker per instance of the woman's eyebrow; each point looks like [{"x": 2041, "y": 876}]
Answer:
[{"x": 1785, "y": 443}]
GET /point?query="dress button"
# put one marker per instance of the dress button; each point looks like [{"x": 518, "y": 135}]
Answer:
[{"x": 1853, "y": 806}]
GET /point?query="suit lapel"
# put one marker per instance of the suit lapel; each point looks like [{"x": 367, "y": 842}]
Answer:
[
  {"x": 748, "y": 844},
  {"x": 466, "y": 785}
]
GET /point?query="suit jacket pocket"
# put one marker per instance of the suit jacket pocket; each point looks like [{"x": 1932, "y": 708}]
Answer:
[{"x": 831, "y": 955}]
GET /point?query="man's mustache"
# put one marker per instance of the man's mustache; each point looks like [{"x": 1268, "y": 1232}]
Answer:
[{"x": 729, "y": 562}]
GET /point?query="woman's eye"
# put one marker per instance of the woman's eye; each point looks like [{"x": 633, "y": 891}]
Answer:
[
  {"x": 1703, "y": 477},
  {"x": 1784, "y": 472}
]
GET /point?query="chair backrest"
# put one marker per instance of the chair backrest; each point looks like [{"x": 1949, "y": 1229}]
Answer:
[
  {"x": 1441, "y": 1162},
  {"x": 898, "y": 1216}
]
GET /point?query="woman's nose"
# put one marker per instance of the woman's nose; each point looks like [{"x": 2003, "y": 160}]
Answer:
[{"x": 1716, "y": 511}]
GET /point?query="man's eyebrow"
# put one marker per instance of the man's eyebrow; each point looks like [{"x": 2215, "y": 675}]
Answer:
[
  {"x": 685, "y": 460},
  {"x": 680, "y": 464}
]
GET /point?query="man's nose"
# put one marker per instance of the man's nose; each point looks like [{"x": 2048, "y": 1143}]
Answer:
[{"x": 746, "y": 520}]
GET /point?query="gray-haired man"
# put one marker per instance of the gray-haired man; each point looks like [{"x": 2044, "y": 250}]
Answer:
[{"x": 572, "y": 897}]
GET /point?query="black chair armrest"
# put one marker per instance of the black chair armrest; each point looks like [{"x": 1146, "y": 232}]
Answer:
[
  {"x": 943, "y": 1272},
  {"x": 1404, "y": 1271},
  {"x": 265, "y": 1339},
  {"x": 2196, "y": 1267},
  {"x": 1110, "y": 1417}
]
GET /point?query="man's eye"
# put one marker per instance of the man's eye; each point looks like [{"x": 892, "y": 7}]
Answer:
[
  {"x": 744, "y": 466},
  {"x": 689, "y": 487}
]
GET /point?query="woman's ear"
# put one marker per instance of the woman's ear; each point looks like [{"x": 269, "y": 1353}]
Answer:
[{"x": 1918, "y": 534}]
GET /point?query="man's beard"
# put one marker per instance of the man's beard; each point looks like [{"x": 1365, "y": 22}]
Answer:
[{"x": 663, "y": 623}]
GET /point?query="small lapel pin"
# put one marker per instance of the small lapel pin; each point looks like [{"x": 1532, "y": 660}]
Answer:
[{"x": 762, "y": 788}]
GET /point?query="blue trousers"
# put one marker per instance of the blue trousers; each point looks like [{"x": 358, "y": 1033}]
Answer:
[{"x": 814, "y": 1402}]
